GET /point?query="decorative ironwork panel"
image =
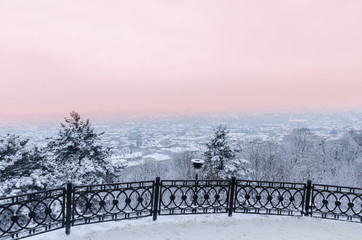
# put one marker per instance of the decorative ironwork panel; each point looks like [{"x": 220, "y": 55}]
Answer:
[
  {"x": 31, "y": 214},
  {"x": 335, "y": 202},
  {"x": 193, "y": 197},
  {"x": 269, "y": 197},
  {"x": 108, "y": 202}
]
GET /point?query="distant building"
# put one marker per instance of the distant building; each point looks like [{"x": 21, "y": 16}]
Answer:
[
  {"x": 136, "y": 156},
  {"x": 139, "y": 140},
  {"x": 165, "y": 141},
  {"x": 157, "y": 157},
  {"x": 126, "y": 150}
]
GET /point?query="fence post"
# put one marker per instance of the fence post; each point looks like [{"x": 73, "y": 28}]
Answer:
[
  {"x": 155, "y": 200},
  {"x": 68, "y": 209},
  {"x": 231, "y": 196},
  {"x": 308, "y": 198}
]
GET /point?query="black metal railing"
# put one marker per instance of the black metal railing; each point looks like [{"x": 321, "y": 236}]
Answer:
[
  {"x": 194, "y": 197},
  {"x": 100, "y": 203},
  {"x": 30, "y": 214},
  {"x": 262, "y": 197},
  {"x": 335, "y": 202}
]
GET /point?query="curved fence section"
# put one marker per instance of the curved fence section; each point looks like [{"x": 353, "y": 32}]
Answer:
[
  {"x": 335, "y": 202},
  {"x": 99, "y": 203},
  {"x": 30, "y": 214},
  {"x": 194, "y": 197},
  {"x": 269, "y": 197}
]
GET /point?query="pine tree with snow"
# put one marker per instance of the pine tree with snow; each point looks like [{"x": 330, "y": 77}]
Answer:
[
  {"x": 220, "y": 159},
  {"x": 77, "y": 153},
  {"x": 19, "y": 165},
  {"x": 11, "y": 152}
]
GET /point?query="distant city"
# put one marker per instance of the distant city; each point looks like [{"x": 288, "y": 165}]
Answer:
[{"x": 158, "y": 138}]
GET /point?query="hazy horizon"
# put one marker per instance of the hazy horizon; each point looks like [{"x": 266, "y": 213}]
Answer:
[{"x": 109, "y": 115}]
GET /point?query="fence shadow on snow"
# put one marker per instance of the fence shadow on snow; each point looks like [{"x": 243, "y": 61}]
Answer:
[{"x": 31, "y": 214}]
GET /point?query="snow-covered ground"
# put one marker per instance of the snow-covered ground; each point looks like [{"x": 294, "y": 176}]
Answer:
[{"x": 214, "y": 227}]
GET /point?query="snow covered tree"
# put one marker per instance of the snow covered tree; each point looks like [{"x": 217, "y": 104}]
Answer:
[
  {"x": 77, "y": 153},
  {"x": 77, "y": 141},
  {"x": 220, "y": 159},
  {"x": 299, "y": 144},
  {"x": 182, "y": 165},
  {"x": 19, "y": 163},
  {"x": 11, "y": 152},
  {"x": 301, "y": 154},
  {"x": 264, "y": 160}
]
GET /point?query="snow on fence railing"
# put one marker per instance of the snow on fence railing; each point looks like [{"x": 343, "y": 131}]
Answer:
[{"x": 30, "y": 214}]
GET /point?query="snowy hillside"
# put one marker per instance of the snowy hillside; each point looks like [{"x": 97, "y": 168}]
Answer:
[{"x": 213, "y": 227}]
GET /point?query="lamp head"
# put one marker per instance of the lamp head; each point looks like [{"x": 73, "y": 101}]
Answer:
[{"x": 197, "y": 163}]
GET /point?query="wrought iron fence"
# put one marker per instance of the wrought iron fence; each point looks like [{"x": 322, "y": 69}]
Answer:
[
  {"x": 99, "y": 203},
  {"x": 269, "y": 197},
  {"x": 194, "y": 197},
  {"x": 335, "y": 202},
  {"x": 30, "y": 214}
]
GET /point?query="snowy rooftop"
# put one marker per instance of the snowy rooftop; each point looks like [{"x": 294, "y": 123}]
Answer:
[
  {"x": 133, "y": 155},
  {"x": 213, "y": 227},
  {"x": 158, "y": 157}
]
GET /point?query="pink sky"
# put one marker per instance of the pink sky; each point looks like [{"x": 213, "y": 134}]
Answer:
[{"x": 112, "y": 55}]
